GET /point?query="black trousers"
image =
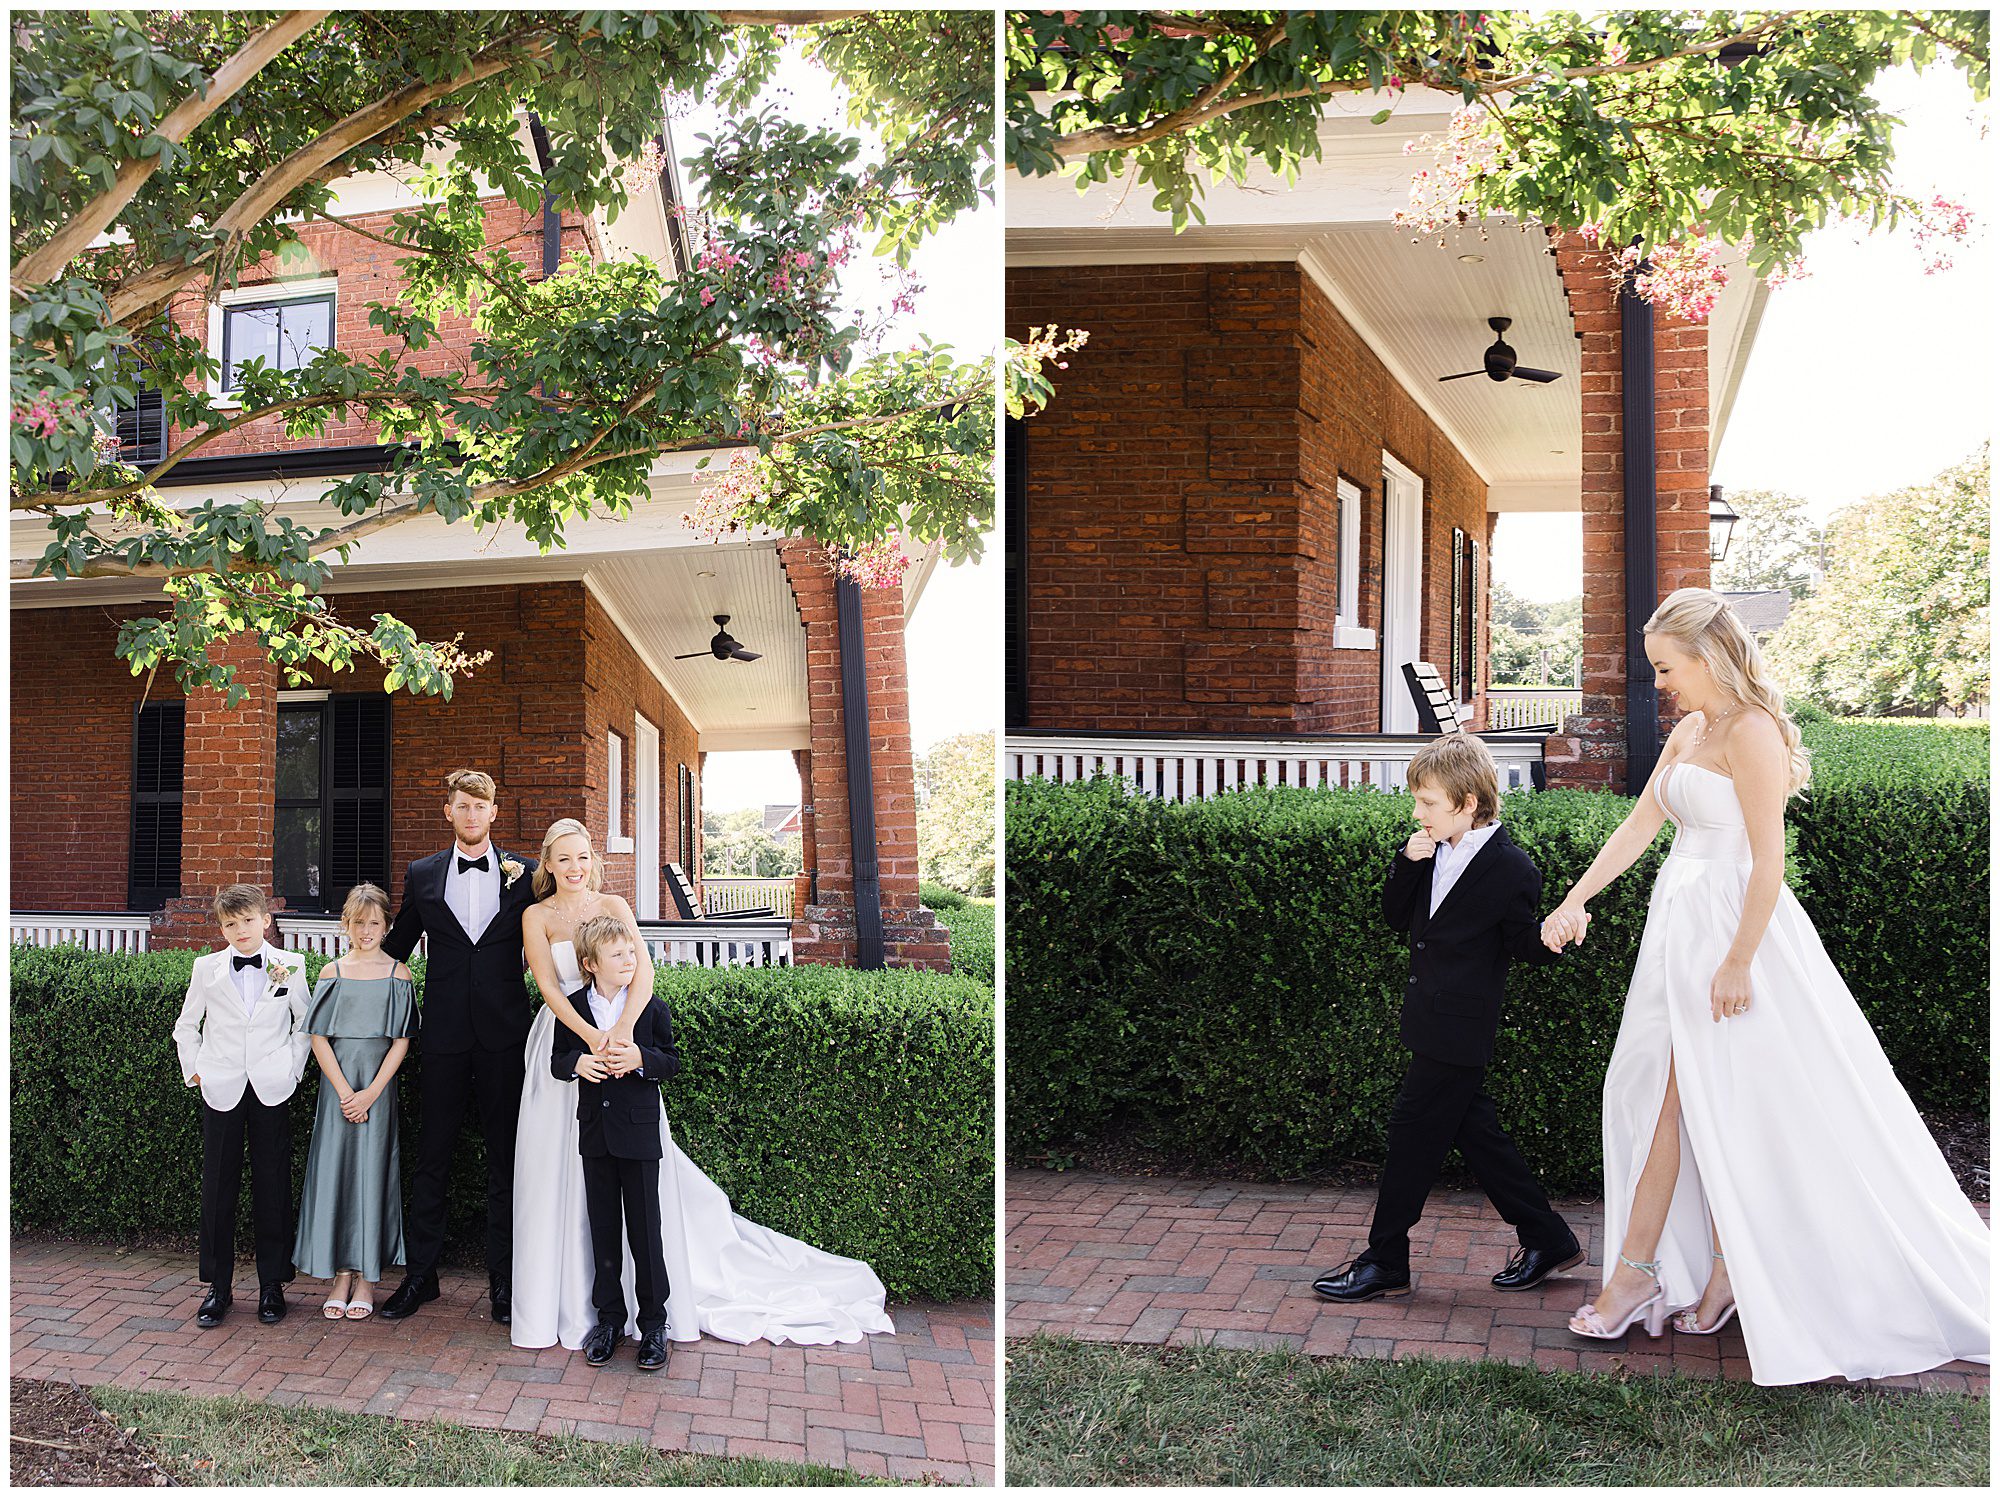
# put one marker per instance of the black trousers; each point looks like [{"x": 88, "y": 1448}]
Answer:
[
  {"x": 268, "y": 1131},
  {"x": 1440, "y": 1106},
  {"x": 446, "y": 1086},
  {"x": 627, "y": 1188}
]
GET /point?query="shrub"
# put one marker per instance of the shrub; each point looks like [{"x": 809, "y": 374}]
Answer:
[
  {"x": 851, "y": 1109},
  {"x": 1219, "y": 974},
  {"x": 969, "y": 922}
]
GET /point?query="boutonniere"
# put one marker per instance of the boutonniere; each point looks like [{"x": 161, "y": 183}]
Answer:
[
  {"x": 510, "y": 870},
  {"x": 276, "y": 975}
]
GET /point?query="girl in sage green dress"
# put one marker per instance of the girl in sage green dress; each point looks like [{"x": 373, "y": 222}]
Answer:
[{"x": 362, "y": 1017}]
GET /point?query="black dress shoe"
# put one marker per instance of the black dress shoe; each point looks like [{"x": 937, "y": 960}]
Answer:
[
  {"x": 1529, "y": 1266},
  {"x": 1361, "y": 1281},
  {"x": 214, "y": 1305},
  {"x": 599, "y": 1343},
  {"x": 653, "y": 1350},
  {"x": 271, "y": 1303},
  {"x": 408, "y": 1296},
  {"x": 501, "y": 1297}
]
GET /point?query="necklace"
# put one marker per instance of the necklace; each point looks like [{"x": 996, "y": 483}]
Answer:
[
  {"x": 569, "y": 921},
  {"x": 1709, "y": 725}
]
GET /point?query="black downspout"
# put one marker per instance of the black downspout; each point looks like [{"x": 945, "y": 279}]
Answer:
[
  {"x": 551, "y": 220},
  {"x": 860, "y": 777},
  {"x": 1642, "y": 575}
]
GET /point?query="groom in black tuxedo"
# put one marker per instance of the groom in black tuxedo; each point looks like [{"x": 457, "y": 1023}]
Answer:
[
  {"x": 1468, "y": 898},
  {"x": 468, "y": 899}
]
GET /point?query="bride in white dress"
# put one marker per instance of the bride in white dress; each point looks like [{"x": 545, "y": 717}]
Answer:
[
  {"x": 727, "y": 1276},
  {"x": 1761, "y": 1159}
]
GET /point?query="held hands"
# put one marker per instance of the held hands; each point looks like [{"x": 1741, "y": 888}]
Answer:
[
  {"x": 621, "y": 1057},
  {"x": 1568, "y": 923},
  {"x": 1419, "y": 847},
  {"x": 1729, "y": 993},
  {"x": 354, "y": 1106},
  {"x": 592, "y": 1067}
]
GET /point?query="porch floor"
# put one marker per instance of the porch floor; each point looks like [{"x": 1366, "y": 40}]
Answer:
[
  {"x": 913, "y": 1406},
  {"x": 1159, "y": 1261}
]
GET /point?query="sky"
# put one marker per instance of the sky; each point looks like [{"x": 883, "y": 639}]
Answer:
[
  {"x": 1866, "y": 376},
  {"x": 954, "y": 637}
]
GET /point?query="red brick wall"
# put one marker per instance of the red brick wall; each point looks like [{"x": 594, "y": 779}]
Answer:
[
  {"x": 1590, "y": 751},
  {"x": 73, "y": 708},
  {"x": 532, "y": 717},
  {"x": 1182, "y": 544},
  {"x": 367, "y": 271}
]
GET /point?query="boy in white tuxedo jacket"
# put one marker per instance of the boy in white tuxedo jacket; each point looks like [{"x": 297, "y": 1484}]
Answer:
[{"x": 242, "y": 1041}]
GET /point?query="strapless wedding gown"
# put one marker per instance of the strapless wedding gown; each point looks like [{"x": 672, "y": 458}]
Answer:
[
  {"x": 1850, "y": 1248},
  {"x": 728, "y": 1277}
]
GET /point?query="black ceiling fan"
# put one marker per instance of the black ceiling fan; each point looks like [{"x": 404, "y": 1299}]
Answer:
[
  {"x": 1499, "y": 361},
  {"x": 724, "y": 645}
]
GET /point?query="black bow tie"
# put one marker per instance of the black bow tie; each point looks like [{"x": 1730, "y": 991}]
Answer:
[
  {"x": 238, "y": 963},
  {"x": 466, "y": 865}
]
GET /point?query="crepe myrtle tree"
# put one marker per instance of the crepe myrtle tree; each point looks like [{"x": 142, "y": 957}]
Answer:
[
  {"x": 160, "y": 152},
  {"x": 1665, "y": 134}
]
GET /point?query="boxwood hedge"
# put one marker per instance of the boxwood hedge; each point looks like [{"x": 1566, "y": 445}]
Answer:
[
  {"x": 1219, "y": 976},
  {"x": 851, "y": 1109}
]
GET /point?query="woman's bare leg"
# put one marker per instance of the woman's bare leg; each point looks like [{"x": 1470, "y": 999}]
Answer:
[{"x": 1651, "y": 1197}]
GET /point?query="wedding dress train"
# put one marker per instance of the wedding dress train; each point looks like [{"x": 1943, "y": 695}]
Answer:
[
  {"x": 1850, "y": 1248},
  {"x": 728, "y": 1277}
]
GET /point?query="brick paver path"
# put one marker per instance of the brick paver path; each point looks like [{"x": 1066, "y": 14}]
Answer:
[
  {"x": 1167, "y": 1261},
  {"x": 915, "y": 1405}
]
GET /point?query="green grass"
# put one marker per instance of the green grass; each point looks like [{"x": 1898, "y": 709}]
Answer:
[
  {"x": 228, "y": 1442},
  {"x": 970, "y": 924},
  {"x": 1084, "y": 1413}
]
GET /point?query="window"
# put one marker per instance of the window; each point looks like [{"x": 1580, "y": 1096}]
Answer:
[
  {"x": 158, "y": 751},
  {"x": 616, "y": 839},
  {"x": 1347, "y": 630},
  {"x": 332, "y": 825},
  {"x": 686, "y": 838},
  {"x": 287, "y": 329}
]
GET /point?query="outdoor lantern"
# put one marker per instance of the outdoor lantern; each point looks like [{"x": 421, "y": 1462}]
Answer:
[{"x": 1721, "y": 520}]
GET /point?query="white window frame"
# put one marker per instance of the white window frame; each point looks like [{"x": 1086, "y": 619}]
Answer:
[
  {"x": 303, "y": 289},
  {"x": 616, "y": 838},
  {"x": 1347, "y": 631}
]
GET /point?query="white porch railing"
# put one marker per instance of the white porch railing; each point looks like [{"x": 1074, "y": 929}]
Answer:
[
  {"x": 1197, "y": 768},
  {"x": 1528, "y": 706},
  {"x": 677, "y": 943},
  {"x": 719, "y": 896},
  {"x": 93, "y": 932}
]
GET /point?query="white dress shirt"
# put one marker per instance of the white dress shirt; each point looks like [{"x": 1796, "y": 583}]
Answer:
[
  {"x": 606, "y": 1012},
  {"x": 474, "y": 896},
  {"x": 249, "y": 982},
  {"x": 1449, "y": 862}
]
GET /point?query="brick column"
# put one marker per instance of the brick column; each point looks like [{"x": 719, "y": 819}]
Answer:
[
  {"x": 227, "y": 804},
  {"x": 1589, "y": 752},
  {"x": 824, "y": 930}
]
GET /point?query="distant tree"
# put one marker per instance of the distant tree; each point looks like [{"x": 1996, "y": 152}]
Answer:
[
  {"x": 955, "y": 814},
  {"x": 1774, "y": 545},
  {"x": 734, "y": 844},
  {"x": 1900, "y": 625},
  {"x": 1520, "y": 629}
]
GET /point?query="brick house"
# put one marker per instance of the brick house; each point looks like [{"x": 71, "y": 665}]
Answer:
[
  {"x": 1255, "y": 496},
  {"x": 131, "y": 805}
]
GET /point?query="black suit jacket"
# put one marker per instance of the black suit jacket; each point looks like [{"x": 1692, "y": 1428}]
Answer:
[
  {"x": 619, "y": 1116},
  {"x": 475, "y": 992},
  {"x": 1459, "y": 956}
]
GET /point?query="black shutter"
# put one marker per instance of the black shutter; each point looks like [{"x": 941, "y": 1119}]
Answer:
[
  {"x": 357, "y": 807},
  {"x": 158, "y": 755},
  {"x": 142, "y": 430},
  {"x": 1472, "y": 620},
  {"x": 1014, "y": 542},
  {"x": 686, "y": 838},
  {"x": 1456, "y": 674}
]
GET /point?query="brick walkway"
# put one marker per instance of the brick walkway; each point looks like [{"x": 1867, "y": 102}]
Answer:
[
  {"x": 911, "y": 1406},
  {"x": 1166, "y": 1262}
]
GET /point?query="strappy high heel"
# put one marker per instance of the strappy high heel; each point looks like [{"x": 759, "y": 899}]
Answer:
[
  {"x": 1687, "y": 1322},
  {"x": 1653, "y": 1307}
]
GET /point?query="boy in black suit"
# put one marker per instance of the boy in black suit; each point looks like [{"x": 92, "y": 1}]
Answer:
[
  {"x": 618, "y": 1134},
  {"x": 1468, "y": 898}
]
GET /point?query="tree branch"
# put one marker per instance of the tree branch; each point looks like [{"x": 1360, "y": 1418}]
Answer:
[{"x": 45, "y": 263}]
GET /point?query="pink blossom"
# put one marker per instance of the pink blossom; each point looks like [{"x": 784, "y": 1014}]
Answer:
[{"x": 708, "y": 296}]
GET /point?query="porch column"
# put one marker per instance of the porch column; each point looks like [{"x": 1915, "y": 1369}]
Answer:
[
  {"x": 1590, "y": 751},
  {"x": 229, "y": 798},
  {"x": 825, "y": 930}
]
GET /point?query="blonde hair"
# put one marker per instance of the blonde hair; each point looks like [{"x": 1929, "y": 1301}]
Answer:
[
  {"x": 1459, "y": 765},
  {"x": 473, "y": 782},
  {"x": 596, "y": 933},
  {"x": 544, "y": 881},
  {"x": 366, "y": 897},
  {"x": 240, "y": 899},
  {"x": 1703, "y": 624}
]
